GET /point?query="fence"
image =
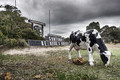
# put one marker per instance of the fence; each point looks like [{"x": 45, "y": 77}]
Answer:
[{"x": 47, "y": 43}]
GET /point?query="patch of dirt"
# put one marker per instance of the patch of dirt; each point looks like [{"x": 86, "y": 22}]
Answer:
[
  {"x": 34, "y": 50},
  {"x": 113, "y": 45},
  {"x": 42, "y": 51}
]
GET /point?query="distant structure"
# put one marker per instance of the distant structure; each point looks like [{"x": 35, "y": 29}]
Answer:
[
  {"x": 51, "y": 40},
  {"x": 52, "y": 37},
  {"x": 37, "y": 25}
]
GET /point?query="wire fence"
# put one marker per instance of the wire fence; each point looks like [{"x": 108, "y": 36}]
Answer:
[{"x": 47, "y": 43}]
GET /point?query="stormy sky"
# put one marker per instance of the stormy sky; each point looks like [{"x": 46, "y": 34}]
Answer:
[{"x": 69, "y": 15}]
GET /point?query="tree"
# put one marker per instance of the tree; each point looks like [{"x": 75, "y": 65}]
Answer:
[
  {"x": 67, "y": 39},
  {"x": 2, "y": 37},
  {"x": 115, "y": 35},
  {"x": 13, "y": 28},
  {"x": 12, "y": 8},
  {"x": 13, "y": 25},
  {"x": 110, "y": 34},
  {"x": 94, "y": 25},
  {"x": 28, "y": 33}
]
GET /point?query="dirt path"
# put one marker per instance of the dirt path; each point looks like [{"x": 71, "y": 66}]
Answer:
[
  {"x": 113, "y": 45},
  {"x": 34, "y": 50},
  {"x": 42, "y": 50}
]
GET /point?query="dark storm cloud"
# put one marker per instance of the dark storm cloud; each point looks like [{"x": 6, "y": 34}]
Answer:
[
  {"x": 64, "y": 13},
  {"x": 107, "y": 7},
  {"x": 61, "y": 29},
  {"x": 67, "y": 13},
  {"x": 58, "y": 32}
]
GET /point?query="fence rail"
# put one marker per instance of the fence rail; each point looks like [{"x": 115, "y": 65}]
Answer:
[{"x": 47, "y": 43}]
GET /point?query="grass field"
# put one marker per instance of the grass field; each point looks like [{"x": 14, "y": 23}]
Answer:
[{"x": 57, "y": 67}]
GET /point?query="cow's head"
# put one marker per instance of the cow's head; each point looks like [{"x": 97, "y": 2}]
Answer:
[{"x": 105, "y": 56}]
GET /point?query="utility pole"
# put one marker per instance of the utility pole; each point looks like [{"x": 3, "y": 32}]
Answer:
[
  {"x": 49, "y": 21},
  {"x": 15, "y": 3}
]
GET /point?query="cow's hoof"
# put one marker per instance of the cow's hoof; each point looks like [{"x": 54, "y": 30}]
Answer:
[
  {"x": 106, "y": 65},
  {"x": 91, "y": 64}
]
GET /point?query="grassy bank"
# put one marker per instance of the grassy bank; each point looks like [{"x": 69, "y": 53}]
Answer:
[{"x": 56, "y": 67}]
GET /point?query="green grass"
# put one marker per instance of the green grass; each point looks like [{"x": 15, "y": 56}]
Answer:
[{"x": 27, "y": 66}]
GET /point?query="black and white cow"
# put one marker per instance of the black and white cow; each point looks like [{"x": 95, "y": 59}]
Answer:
[{"x": 91, "y": 41}]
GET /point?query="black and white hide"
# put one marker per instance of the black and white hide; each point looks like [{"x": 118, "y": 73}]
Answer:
[{"x": 91, "y": 41}]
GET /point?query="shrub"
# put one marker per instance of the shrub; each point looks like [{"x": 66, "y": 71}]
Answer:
[
  {"x": 22, "y": 43},
  {"x": 2, "y": 37},
  {"x": 30, "y": 34},
  {"x": 4, "y": 30},
  {"x": 15, "y": 33},
  {"x": 12, "y": 43}
]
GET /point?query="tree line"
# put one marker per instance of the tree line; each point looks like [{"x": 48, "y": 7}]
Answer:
[{"x": 108, "y": 33}]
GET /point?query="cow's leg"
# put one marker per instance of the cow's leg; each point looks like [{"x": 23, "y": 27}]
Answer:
[
  {"x": 89, "y": 50},
  {"x": 69, "y": 54},
  {"x": 79, "y": 55},
  {"x": 90, "y": 56}
]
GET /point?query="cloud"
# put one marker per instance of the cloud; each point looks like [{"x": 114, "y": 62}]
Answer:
[
  {"x": 68, "y": 15},
  {"x": 67, "y": 11}
]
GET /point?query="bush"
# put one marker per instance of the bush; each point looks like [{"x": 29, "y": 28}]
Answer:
[
  {"x": 4, "y": 30},
  {"x": 22, "y": 43},
  {"x": 2, "y": 37},
  {"x": 12, "y": 43},
  {"x": 15, "y": 33},
  {"x": 30, "y": 34}
]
